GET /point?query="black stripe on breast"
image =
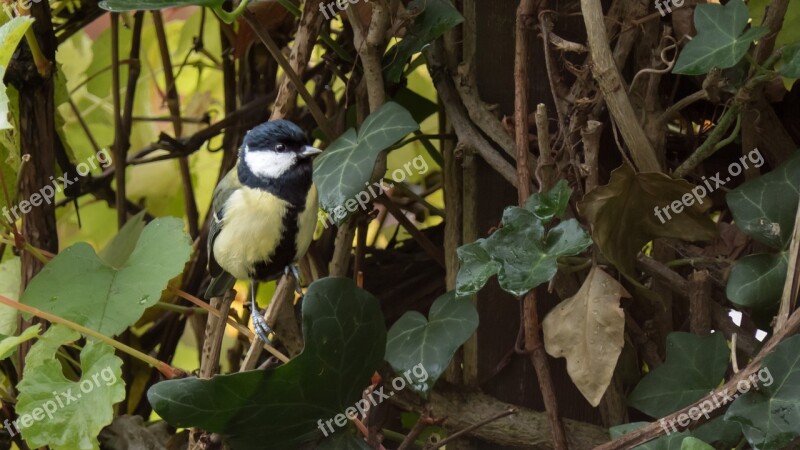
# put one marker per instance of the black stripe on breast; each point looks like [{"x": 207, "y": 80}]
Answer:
[
  {"x": 285, "y": 253},
  {"x": 292, "y": 186}
]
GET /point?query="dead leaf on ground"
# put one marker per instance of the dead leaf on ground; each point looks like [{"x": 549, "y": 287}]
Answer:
[{"x": 588, "y": 330}]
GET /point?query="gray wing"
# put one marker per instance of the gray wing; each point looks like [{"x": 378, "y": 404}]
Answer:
[{"x": 222, "y": 281}]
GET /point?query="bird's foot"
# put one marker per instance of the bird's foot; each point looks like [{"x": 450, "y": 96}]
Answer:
[
  {"x": 259, "y": 324},
  {"x": 295, "y": 271}
]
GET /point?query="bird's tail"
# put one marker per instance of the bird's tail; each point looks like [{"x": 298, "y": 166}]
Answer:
[{"x": 220, "y": 285}]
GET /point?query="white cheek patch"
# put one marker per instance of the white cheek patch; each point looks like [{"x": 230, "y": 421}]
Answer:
[{"x": 268, "y": 164}]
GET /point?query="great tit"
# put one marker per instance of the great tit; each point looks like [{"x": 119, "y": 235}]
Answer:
[{"x": 264, "y": 211}]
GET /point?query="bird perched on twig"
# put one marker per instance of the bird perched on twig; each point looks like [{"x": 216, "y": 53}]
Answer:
[{"x": 264, "y": 212}]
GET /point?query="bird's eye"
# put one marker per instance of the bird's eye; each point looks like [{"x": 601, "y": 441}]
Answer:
[{"x": 280, "y": 147}]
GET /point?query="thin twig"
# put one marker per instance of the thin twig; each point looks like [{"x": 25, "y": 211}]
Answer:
[
  {"x": 530, "y": 319},
  {"x": 173, "y": 104},
  {"x": 119, "y": 151},
  {"x": 165, "y": 369},
  {"x": 215, "y": 331},
  {"x": 790, "y": 287},
  {"x": 430, "y": 248},
  {"x": 239, "y": 327},
  {"x": 423, "y": 422},
  {"x": 276, "y": 53},
  {"x": 470, "y": 428}
]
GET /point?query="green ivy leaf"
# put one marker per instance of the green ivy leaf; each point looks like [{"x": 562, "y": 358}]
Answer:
[
  {"x": 140, "y": 5},
  {"x": 670, "y": 442},
  {"x": 550, "y": 204},
  {"x": 791, "y": 62},
  {"x": 343, "y": 440},
  {"x": 695, "y": 366},
  {"x": 9, "y": 344},
  {"x": 414, "y": 341},
  {"x": 345, "y": 340},
  {"x": 5, "y": 124},
  {"x": 692, "y": 443},
  {"x": 9, "y": 287},
  {"x": 109, "y": 296},
  {"x": 762, "y": 214},
  {"x": 72, "y": 419},
  {"x": 719, "y": 41},
  {"x": 345, "y": 168},
  {"x": 419, "y": 106},
  {"x": 434, "y": 19},
  {"x": 520, "y": 252},
  {"x": 476, "y": 266},
  {"x": 528, "y": 263},
  {"x": 788, "y": 34},
  {"x": 149, "y": 5},
  {"x": 11, "y": 33},
  {"x": 720, "y": 431},
  {"x": 769, "y": 415},
  {"x": 756, "y": 281}
]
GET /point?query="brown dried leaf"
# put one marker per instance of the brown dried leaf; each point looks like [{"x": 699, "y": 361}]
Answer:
[
  {"x": 623, "y": 219},
  {"x": 587, "y": 329}
]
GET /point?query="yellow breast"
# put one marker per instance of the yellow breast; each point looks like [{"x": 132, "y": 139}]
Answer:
[{"x": 257, "y": 229}]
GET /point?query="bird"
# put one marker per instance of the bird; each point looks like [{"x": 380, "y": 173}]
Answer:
[{"x": 264, "y": 212}]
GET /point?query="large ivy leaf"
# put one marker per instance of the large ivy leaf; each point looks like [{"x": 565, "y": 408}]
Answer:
[
  {"x": 719, "y": 41},
  {"x": 623, "y": 214},
  {"x": 132, "y": 5},
  {"x": 345, "y": 168},
  {"x": 345, "y": 340},
  {"x": 71, "y": 418},
  {"x": 757, "y": 281},
  {"x": 695, "y": 366},
  {"x": 764, "y": 208},
  {"x": 770, "y": 415},
  {"x": 524, "y": 256},
  {"x": 434, "y": 19},
  {"x": 414, "y": 341},
  {"x": 588, "y": 330},
  {"x": 110, "y": 295},
  {"x": 11, "y": 33}
]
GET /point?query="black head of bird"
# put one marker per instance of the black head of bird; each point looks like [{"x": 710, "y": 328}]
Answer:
[{"x": 275, "y": 156}]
